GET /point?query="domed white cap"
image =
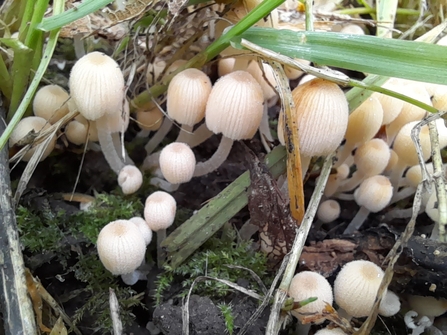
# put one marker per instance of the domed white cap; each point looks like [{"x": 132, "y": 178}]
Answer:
[
  {"x": 177, "y": 163},
  {"x": 356, "y": 286},
  {"x": 159, "y": 210},
  {"x": 308, "y": 284},
  {"x": 97, "y": 85},
  {"x": 121, "y": 247},
  {"x": 374, "y": 193},
  {"x": 146, "y": 232},
  {"x": 130, "y": 179}
]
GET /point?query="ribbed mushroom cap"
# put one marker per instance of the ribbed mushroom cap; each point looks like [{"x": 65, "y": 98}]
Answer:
[
  {"x": 391, "y": 106},
  {"x": 235, "y": 106},
  {"x": 121, "y": 247},
  {"x": 372, "y": 157},
  {"x": 266, "y": 72},
  {"x": 308, "y": 284},
  {"x": 328, "y": 211},
  {"x": 404, "y": 145},
  {"x": 321, "y": 115},
  {"x": 145, "y": 231},
  {"x": 187, "y": 95},
  {"x": 50, "y": 103},
  {"x": 130, "y": 179},
  {"x": 374, "y": 193},
  {"x": 119, "y": 121},
  {"x": 97, "y": 85},
  {"x": 159, "y": 210},
  {"x": 427, "y": 306},
  {"x": 356, "y": 286},
  {"x": 177, "y": 163},
  {"x": 26, "y": 126},
  {"x": 390, "y": 304},
  {"x": 365, "y": 121}
]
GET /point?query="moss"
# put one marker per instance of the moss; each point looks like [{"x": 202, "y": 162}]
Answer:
[
  {"x": 48, "y": 232},
  {"x": 227, "y": 313},
  {"x": 212, "y": 261}
]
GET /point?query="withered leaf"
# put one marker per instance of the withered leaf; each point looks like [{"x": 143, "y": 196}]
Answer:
[{"x": 270, "y": 211}]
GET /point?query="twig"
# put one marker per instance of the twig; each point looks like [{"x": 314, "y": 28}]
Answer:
[
  {"x": 16, "y": 307},
  {"x": 300, "y": 238},
  {"x": 115, "y": 313}
]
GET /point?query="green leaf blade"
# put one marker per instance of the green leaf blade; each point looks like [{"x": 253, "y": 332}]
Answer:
[{"x": 387, "y": 57}]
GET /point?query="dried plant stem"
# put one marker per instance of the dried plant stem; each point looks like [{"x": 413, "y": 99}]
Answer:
[
  {"x": 15, "y": 304},
  {"x": 297, "y": 248}
]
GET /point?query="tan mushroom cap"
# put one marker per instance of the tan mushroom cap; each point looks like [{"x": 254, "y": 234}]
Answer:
[
  {"x": 121, "y": 247},
  {"x": 374, "y": 193},
  {"x": 187, "y": 95},
  {"x": 372, "y": 157},
  {"x": 177, "y": 163},
  {"x": 308, "y": 284},
  {"x": 159, "y": 210},
  {"x": 50, "y": 103},
  {"x": 76, "y": 132},
  {"x": 150, "y": 120},
  {"x": 31, "y": 124},
  {"x": 356, "y": 286},
  {"x": 404, "y": 146},
  {"x": 328, "y": 211},
  {"x": 97, "y": 85},
  {"x": 321, "y": 115},
  {"x": 235, "y": 106},
  {"x": 427, "y": 306}
]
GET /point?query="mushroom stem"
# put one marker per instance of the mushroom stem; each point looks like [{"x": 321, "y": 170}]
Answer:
[
  {"x": 404, "y": 193},
  {"x": 185, "y": 133},
  {"x": 78, "y": 44},
  {"x": 120, "y": 149},
  {"x": 216, "y": 160},
  {"x": 200, "y": 135},
  {"x": 133, "y": 277},
  {"x": 107, "y": 146},
  {"x": 344, "y": 153},
  {"x": 352, "y": 182},
  {"x": 357, "y": 221},
  {"x": 396, "y": 175},
  {"x": 159, "y": 136},
  {"x": 305, "y": 162}
]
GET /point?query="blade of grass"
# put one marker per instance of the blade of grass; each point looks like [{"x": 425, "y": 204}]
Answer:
[
  {"x": 388, "y": 57},
  {"x": 386, "y": 14},
  {"x": 85, "y": 8},
  {"x": 22, "y": 67},
  {"x": 58, "y": 7}
]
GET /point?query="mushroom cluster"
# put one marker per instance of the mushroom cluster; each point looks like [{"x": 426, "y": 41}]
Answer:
[{"x": 122, "y": 243}]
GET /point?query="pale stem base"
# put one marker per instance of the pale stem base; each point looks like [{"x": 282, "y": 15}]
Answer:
[
  {"x": 357, "y": 221},
  {"x": 344, "y": 153},
  {"x": 351, "y": 183},
  {"x": 107, "y": 146},
  {"x": 159, "y": 136}
]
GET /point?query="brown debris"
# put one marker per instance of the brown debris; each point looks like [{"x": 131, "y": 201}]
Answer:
[{"x": 269, "y": 210}]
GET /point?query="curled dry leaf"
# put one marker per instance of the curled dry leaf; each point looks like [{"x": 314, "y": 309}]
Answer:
[{"x": 269, "y": 210}]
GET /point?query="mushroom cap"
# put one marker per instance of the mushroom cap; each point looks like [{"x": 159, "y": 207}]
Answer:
[
  {"x": 97, "y": 85},
  {"x": 308, "y": 284},
  {"x": 328, "y": 211},
  {"x": 50, "y": 103},
  {"x": 427, "y": 306},
  {"x": 390, "y": 304},
  {"x": 187, "y": 95},
  {"x": 76, "y": 132},
  {"x": 391, "y": 106},
  {"x": 356, "y": 286},
  {"x": 24, "y": 127},
  {"x": 177, "y": 163},
  {"x": 327, "y": 331},
  {"x": 374, "y": 193},
  {"x": 150, "y": 120},
  {"x": 321, "y": 115},
  {"x": 404, "y": 145},
  {"x": 121, "y": 247},
  {"x": 267, "y": 71},
  {"x": 392, "y": 162},
  {"x": 159, "y": 210},
  {"x": 130, "y": 179},
  {"x": 372, "y": 157},
  {"x": 413, "y": 175},
  {"x": 145, "y": 231},
  {"x": 365, "y": 121},
  {"x": 235, "y": 106}
]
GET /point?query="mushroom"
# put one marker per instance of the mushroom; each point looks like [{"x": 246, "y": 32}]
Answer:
[
  {"x": 389, "y": 305},
  {"x": 321, "y": 115},
  {"x": 177, "y": 164},
  {"x": 50, "y": 103},
  {"x": 130, "y": 179},
  {"x": 121, "y": 247},
  {"x": 373, "y": 195},
  {"x": 30, "y": 125},
  {"x": 142, "y": 225},
  {"x": 234, "y": 108},
  {"x": 418, "y": 326},
  {"x": 159, "y": 213},
  {"x": 305, "y": 285},
  {"x": 355, "y": 288},
  {"x": 328, "y": 211}
]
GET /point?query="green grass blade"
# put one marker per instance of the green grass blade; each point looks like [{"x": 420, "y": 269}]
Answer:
[
  {"x": 85, "y": 8},
  {"x": 386, "y": 14},
  {"x": 388, "y": 57},
  {"x": 58, "y": 7}
]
